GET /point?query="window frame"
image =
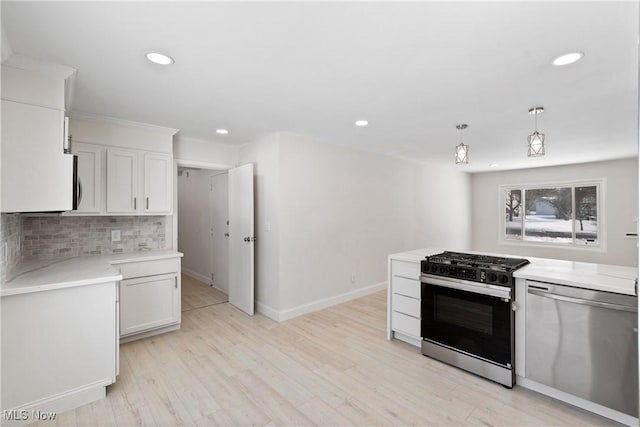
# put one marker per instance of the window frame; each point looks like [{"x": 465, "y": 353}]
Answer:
[{"x": 600, "y": 185}]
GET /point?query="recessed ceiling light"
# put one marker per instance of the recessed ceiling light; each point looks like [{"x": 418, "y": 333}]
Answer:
[
  {"x": 159, "y": 58},
  {"x": 567, "y": 58},
  {"x": 493, "y": 165},
  {"x": 361, "y": 123},
  {"x": 222, "y": 131}
]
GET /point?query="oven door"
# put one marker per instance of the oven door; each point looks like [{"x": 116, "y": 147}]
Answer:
[{"x": 475, "y": 319}]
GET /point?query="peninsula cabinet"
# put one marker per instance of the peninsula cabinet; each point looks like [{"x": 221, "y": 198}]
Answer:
[
  {"x": 404, "y": 299},
  {"x": 59, "y": 347},
  {"x": 138, "y": 182}
]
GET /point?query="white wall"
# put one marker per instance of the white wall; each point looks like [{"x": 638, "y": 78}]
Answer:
[
  {"x": 344, "y": 211},
  {"x": 219, "y": 208},
  {"x": 199, "y": 151},
  {"x": 620, "y": 205},
  {"x": 194, "y": 222},
  {"x": 336, "y": 214}
]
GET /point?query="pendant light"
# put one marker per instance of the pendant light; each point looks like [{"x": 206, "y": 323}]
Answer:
[
  {"x": 536, "y": 139},
  {"x": 462, "y": 151}
]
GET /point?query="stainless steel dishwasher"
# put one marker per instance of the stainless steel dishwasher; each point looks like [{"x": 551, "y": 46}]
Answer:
[{"x": 584, "y": 343}]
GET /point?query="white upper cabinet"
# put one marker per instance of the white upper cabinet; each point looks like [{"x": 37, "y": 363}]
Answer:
[
  {"x": 37, "y": 175},
  {"x": 91, "y": 178},
  {"x": 122, "y": 181},
  {"x": 139, "y": 182},
  {"x": 124, "y": 168},
  {"x": 158, "y": 183}
]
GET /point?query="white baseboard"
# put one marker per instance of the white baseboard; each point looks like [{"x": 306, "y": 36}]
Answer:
[
  {"x": 282, "y": 315},
  {"x": 202, "y": 278},
  {"x": 267, "y": 311},
  {"x": 56, "y": 404},
  {"x": 151, "y": 333},
  {"x": 196, "y": 275}
]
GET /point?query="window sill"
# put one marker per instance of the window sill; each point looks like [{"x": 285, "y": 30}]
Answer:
[{"x": 542, "y": 245}]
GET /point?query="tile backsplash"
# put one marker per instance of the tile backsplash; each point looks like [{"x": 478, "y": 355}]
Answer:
[
  {"x": 10, "y": 236},
  {"x": 62, "y": 236}
]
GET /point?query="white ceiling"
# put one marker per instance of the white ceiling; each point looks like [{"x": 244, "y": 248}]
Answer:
[{"x": 414, "y": 70}]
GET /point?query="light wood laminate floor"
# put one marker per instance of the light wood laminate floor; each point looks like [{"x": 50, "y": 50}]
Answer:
[
  {"x": 329, "y": 368},
  {"x": 196, "y": 294}
]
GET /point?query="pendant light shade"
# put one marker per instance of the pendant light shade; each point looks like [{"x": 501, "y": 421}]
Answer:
[
  {"x": 462, "y": 151},
  {"x": 536, "y": 139}
]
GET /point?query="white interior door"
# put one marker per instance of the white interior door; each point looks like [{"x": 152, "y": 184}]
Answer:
[
  {"x": 241, "y": 238},
  {"x": 219, "y": 211}
]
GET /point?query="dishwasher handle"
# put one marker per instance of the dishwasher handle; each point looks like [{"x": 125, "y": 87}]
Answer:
[{"x": 582, "y": 301}]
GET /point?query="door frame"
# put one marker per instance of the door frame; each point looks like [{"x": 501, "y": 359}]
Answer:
[{"x": 188, "y": 164}]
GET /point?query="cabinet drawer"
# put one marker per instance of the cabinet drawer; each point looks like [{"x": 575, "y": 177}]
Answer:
[
  {"x": 405, "y": 305},
  {"x": 406, "y": 287},
  {"x": 149, "y": 268},
  {"x": 410, "y": 270},
  {"x": 407, "y": 324}
]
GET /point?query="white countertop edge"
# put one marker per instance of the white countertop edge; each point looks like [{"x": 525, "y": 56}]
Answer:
[
  {"x": 599, "y": 277},
  {"x": 59, "y": 285},
  {"x": 98, "y": 269},
  {"x": 148, "y": 256},
  {"x": 618, "y": 286}
]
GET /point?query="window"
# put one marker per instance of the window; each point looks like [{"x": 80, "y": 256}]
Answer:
[{"x": 559, "y": 214}]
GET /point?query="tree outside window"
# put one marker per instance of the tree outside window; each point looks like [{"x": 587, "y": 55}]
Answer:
[{"x": 559, "y": 214}]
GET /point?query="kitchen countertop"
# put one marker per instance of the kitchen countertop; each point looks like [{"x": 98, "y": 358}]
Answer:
[
  {"x": 599, "y": 277},
  {"x": 44, "y": 275}
]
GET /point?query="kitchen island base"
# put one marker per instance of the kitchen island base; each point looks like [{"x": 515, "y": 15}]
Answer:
[{"x": 59, "y": 350}]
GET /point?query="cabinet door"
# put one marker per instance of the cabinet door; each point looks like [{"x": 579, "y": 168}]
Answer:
[
  {"x": 90, "y": 177},
  {"x": 158, "y": 189},
  {"x": 122, "y": 181},
  {"x": 36, "y": 174},
  {"x": 148, "y": 303}
]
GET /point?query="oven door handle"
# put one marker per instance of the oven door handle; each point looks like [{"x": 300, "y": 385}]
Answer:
[{"x": 465, "y": 285}]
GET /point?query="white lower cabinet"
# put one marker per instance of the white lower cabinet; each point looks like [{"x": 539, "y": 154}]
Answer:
[
  {"x": 149, "y": 298},
  {"x": 59, "y": 348},
  {"x": 404, "y": 301},
  {"x": 149, "y": 303}
]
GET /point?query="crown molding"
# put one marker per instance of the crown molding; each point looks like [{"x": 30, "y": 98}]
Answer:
[
  {"x": 122, "y": 122},
  {"x": 26, "y": 63}
]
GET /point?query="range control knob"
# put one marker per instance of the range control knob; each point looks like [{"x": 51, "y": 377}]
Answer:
[
  {"x": 504, "y": 279},
  {"x": 434, "y": 268},
  {"x": 492, "y": 277},
  {"x": 442, "y": 269}
]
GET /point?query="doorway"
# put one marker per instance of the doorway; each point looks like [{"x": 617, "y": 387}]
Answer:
[{"x": 203, "y": 236}]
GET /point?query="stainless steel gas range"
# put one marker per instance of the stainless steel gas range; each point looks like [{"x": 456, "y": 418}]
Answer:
[{"x": 467, "y": 312}]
